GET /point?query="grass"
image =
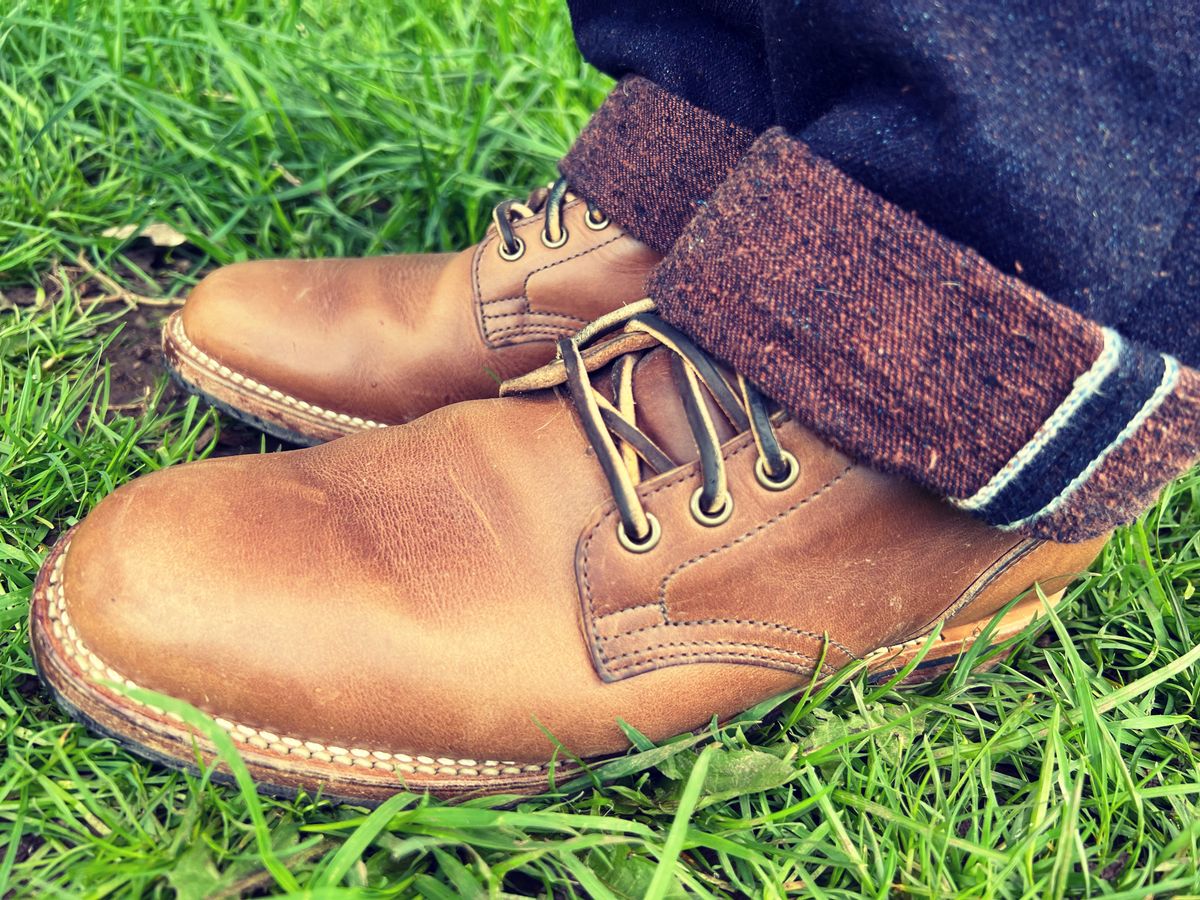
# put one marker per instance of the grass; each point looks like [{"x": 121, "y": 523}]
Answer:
[{"x": 264, "y": 127}]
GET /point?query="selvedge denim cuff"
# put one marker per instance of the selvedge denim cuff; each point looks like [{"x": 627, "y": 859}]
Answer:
[
  {"x": 918, "y": 357},
  {"x": 650, "y": 160}
]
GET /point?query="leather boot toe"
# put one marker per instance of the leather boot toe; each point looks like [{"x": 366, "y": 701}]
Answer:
[{"x": 310, "y": 350}]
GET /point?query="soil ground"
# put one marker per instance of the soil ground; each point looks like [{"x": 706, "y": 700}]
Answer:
[
  {"x": 134, "y": 355},
  {"x": 136, "y": 364}
]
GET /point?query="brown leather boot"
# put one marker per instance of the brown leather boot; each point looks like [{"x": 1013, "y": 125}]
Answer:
[
  {"x": 310, "y": 350},
  {"x": 631, "y": 534}
]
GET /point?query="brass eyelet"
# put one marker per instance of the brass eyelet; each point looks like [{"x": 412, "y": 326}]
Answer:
[
  {"x": 782, "y": 484},
  {"x": 514, "y": 255},
  {"x": 648, "y": 543},
  {"x": 554, "y": 245},
  {"x": 711, "y": 520},
  {"x": 595, "y": 224}
]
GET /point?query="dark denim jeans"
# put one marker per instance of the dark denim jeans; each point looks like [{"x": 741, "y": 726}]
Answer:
[{"x": 1059, "y": 140}]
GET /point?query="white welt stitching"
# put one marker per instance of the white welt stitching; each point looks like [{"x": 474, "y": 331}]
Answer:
[
  {"x": 1166, "y": 385},
  {"x": 195, "y": 354},
  {"x": 1084, "y": 387},
  {"x": 408, "y": 764}
]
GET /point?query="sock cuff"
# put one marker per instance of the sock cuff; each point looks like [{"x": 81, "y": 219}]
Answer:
[{"x": 650, "y": 159}]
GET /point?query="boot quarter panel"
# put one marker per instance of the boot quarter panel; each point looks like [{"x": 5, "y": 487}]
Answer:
[
  {"x": 838, "y": 569},
  {"x": 551, "y": 292}
]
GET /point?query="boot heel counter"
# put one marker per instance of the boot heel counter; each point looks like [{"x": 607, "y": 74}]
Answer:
[{"x": 1051, "y": 565}]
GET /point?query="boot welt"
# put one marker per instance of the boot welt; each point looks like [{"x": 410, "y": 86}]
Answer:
[
  {"x": 284, "y": 766},
  {"x": 266, "y": 408}
]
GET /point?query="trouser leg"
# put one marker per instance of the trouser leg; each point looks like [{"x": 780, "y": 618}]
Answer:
[{"x": 967, "y": 255}]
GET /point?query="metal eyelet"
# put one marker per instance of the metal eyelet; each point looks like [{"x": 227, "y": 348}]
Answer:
[
  {"x": 782, "y": 484},
  {"x": 711, "y": 520},
  {"x": 554, "y": 245},
  {"x": 595, "y": 224},
  {"x": 514, "y": 255},
  {"x": 648, "y": 543}
]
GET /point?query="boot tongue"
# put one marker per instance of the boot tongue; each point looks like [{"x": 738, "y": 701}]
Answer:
[
  {"x": 659, "y": 407},
  {"x": 660, "y": 410}
]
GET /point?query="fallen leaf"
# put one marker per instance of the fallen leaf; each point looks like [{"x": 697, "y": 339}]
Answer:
[{"x": 158, "y": 233}]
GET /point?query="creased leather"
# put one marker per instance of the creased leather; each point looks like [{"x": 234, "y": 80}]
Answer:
[
  {"x": 424, "y": 588},
  {"x": 390, "y": 338}
]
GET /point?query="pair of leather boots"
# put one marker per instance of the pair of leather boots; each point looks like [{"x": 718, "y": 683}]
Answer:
[{"x": 474, "y": 599}]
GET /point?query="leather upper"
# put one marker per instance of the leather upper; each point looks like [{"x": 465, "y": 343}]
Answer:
[
  {"x": 389, "y": 338},
  {"x": 455, "y": 585}
]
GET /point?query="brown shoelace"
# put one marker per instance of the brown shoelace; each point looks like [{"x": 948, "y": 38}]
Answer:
[
  {"x": 550, "y": 199},
  {"x": 622, "y": 337}
]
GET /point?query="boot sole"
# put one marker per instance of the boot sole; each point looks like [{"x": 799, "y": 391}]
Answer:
[
  {"x": 284, "y": 766},
  {"x": 269, "y": 410}
]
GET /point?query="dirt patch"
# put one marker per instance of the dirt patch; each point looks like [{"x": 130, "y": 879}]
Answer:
[
  {"x": 142, "y": 273},
  {"x": 150, "y": 281},
  {"x": 135, "y": 358}
]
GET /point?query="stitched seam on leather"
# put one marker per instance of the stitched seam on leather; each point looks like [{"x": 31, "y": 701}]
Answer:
[
  {"x": 749, "y": 645},
  {"x": 661, "y": 602},
  {"x": 525, "y": 286},
  {"x": 775, "y": 626},
  {"x": 546, "y": 331},
  {"x": 409, "y": 764},
  {"x": 741, "y": 539},
  {"x": 706, "y": 656},
  {"x": 567, "y": 259},
  {"x": 558, "y": 329},
  {"x": 982, "y": 583},
  {"x": 196, "y": 355},
  {"x": 911, "y": 642},
  {"x": 496, "y": 337},
  {"x": 538, "y": 219},
  {"x": 559, "y": 262},
  {"x": 597, "y": 641},
  {"x": 538, "y": 315}
]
